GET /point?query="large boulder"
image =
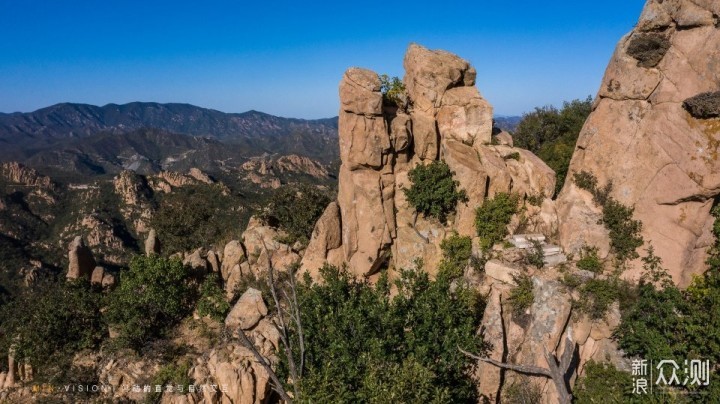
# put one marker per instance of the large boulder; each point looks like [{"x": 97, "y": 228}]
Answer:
[
  {"x": 81, "y": 260},
  {"x": 660, "y": 158},
  {"x": 152, "y": 244},
  {"x": 326, "y": 236},
  {"x": 247, "y": 312},
  {"x": 429, "y": 73}
]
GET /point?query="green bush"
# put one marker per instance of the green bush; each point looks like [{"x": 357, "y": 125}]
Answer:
[
  {"x": 535, "y": 256},
  {"x": 171, "y": 374},
  {"x": 457, "y": 251},
  {"x": 47, "y": 323},
  {"x": 625, "y": 237},
  {"x": 153, "y": 295},
  {"x": 551, "y": 134},
  {"x": 433, "y": 192},
  {"x": 295, "y": 209},
  {"x": 492, "y": 218},
  {"x": 522, "y": 295},
  {"x": 392, "y": 88},
  {"x": 589, "y": 260},
  {"x": 212, "y": 301},
  {"x": 604, "y": 383},
  {"x": 402, "y": 349},
  {"x": 597, "y": 295},
  {"x": 665, "y": 322},
  {"x": 624, "y": 231}
]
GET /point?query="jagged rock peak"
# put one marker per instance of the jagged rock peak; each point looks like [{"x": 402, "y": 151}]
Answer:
[{"x": 440, "y": 115}]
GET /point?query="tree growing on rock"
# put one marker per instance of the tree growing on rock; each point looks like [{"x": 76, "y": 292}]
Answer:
[{"x": 434, "y": 192}]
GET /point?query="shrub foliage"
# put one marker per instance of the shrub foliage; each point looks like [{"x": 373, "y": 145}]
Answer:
[
  {"x": 295, "y": 209},
  {"x": 492, "y": 218},
  {"x": 434, "y": 192},
  {"x": 153, "y": 295},
  {"x": 366, "y": 347}
]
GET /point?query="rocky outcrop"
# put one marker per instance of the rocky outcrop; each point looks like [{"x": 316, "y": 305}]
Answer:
[
  {"x": 81, "y": 261},
  {"x": 135, "y": 193},
  {"x": 649, "y": 135},
  {"x": 270, "y": 171},
  {"x": 17, "y": 173},
  {"x": 521, "y": 338},
  {"x": 152, "y": 243},
  {"x": 440, "y": 116},
  {"x": 264, "y": 248}
]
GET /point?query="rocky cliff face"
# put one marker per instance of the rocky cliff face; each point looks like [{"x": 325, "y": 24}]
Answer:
[
  {"x": 441, "y": 116},
  {"x": 653, "y": 134}
]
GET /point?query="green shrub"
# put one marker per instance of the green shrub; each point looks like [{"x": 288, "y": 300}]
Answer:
[
  {"x": 513, "y": 156},
  {"x": 402, "y": 349},
  {"x": 457, "y": 251},
  {"x": 522, "y": 295},
  {"x": 492, "y": 218},
  {"x": 624, "y": 231},
  {"x": 295, "y": 209},
  {"x": 604, "y": 383},
  {"x": 47, "y": 323},
  {"x": 153, "y": 295},
  {"x": 589, "y": 260},
  {"x": 171, "y": 374},
  {"x": 625, "y": 236},
  {"x": 522, "y": 391},
  {"x": 433, "y": 192},
  {"x": 597, "y": 295},
  {"x": 535, "y": 256},
  {"x": 665, "y": 322},
  {"x": 392, "y": 88},
  {"x": 585, "y": 180},
  {"x": 212, "y": 301},
  {"x": 551, "y": 134}
]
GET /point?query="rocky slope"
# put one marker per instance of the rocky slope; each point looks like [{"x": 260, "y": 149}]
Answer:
[{"x": 653, "y": 139}]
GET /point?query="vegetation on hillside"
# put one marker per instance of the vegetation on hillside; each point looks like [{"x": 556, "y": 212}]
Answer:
[
  {"x": 295, "y": 209},
  {"x": 551, "y": 134},
  {"x": 402, "y": 349},
  {"x": 154, "y": 294},
  {"x": 47, "y": 324},
  {"x": 194, "y": 215}
]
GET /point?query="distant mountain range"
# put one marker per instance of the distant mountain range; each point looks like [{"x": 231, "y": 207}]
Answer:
[
  {"x": 506, "y": 122},
  {"x": 148, "y": 137},
  {"x": 253, "y": 131}
]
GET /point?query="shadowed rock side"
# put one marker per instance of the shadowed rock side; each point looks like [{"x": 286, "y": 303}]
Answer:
[
  {"x": 654, "y": 132},
  {"x": 441, "y": 116}
]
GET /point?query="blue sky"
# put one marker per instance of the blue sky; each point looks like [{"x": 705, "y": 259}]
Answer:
[{"x": 286, "y": 58}]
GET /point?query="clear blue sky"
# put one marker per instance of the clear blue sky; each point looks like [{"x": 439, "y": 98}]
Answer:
[{"x": 286, "y": 58}]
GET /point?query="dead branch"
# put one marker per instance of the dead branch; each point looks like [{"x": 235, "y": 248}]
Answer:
[{"x": 556, "y": 371}]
